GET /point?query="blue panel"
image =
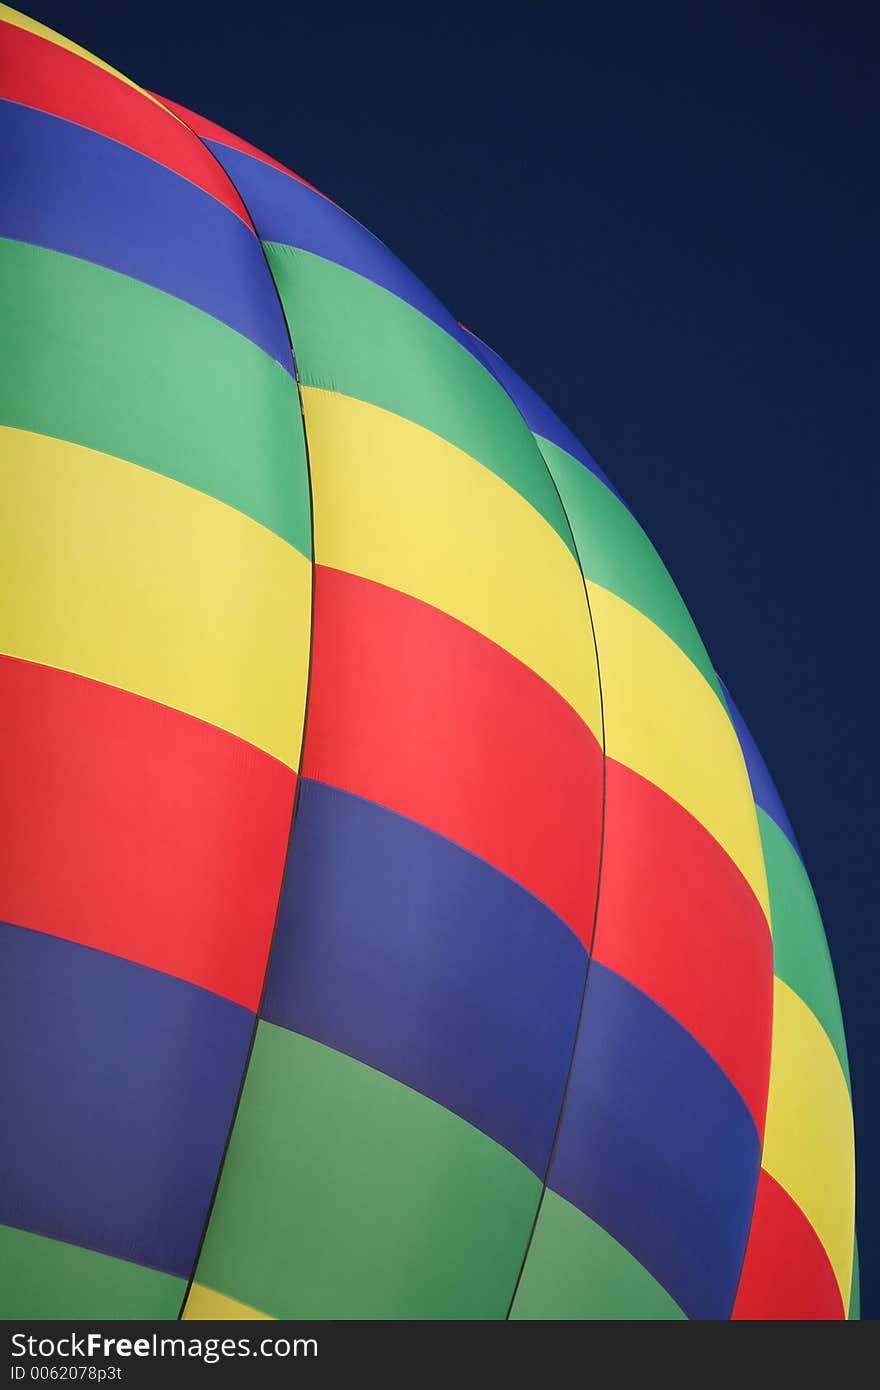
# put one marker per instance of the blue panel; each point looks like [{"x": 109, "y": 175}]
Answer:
[
  {"x": 117, "y": 1084},
  {"x": 658, "y": 1147},
  {"x": 763, "y": 787},
  {"x": 412, "y": 955},
  {"x": 99, "y": 200},
  {"x": 539, "y": 417},
  {"x": 287, "y": 211}
]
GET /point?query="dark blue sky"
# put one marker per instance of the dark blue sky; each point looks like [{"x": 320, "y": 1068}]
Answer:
[{"x": 665, "y": 217}]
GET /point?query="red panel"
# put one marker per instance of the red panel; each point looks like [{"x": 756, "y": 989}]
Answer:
[
  {"x": 677, "y": 918},
  {"x": 44, "y": 75},
  {"x": 786, "y": 1274},
  {"x": 207, "y": 130},
  {"x": 138, "y": 830},
  {"x": 414, "y": 710}
]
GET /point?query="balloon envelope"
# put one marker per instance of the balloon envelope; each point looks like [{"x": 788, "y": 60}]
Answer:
[{"x": 397, "y": 918}]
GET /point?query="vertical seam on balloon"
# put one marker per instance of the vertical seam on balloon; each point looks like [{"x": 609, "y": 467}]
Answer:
[
  {"x": 726, "y": 703},
  {"x": 581, "y": 1009},
  {"x": 764, "y": 1129},
  {"x": 297, "y": 790}
]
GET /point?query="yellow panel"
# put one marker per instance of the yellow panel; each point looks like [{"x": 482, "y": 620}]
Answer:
[
  {"x": 33, "y": 26},
  {"x": 396, "y": 504},
  {"x": 808, "y": 1142},
  {"x": 204, "y": 1305},
  {"x": 663, "y": 720},
  {"x": 123, "y": 575}
]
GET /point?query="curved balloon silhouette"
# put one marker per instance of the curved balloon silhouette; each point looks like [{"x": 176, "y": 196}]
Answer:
[{"x": 397, "y": 917}]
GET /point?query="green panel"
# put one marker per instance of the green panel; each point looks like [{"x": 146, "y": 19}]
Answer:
[
  {"x": 347, "y": 1195},
  {"x": 576, "y": 1270},
  {"x": 42, "y": 1280},
  {"x": 800, "y": 950},
  {"x": 616, "y": 553},
  {"x": 108, "y": 362},
  {"x": 352, "y": 336},
  {"x": 855, "y": 1292}
]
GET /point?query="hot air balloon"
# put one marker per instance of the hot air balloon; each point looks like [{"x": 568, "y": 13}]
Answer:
[{"x": 398, "y": 920}]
